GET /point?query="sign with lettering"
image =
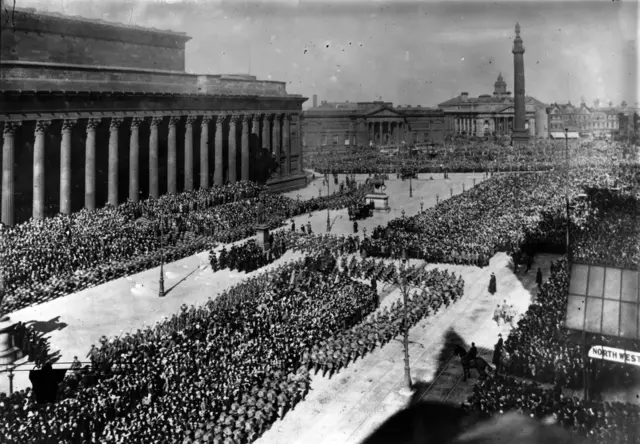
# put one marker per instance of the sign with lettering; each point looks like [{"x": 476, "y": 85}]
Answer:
[{"x": 615, "y": 355}]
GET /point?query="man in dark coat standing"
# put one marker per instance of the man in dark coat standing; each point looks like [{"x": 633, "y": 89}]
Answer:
[
  {"x": 355, "y": 226},
  {"x": 539, "y": 278},
  {"x": 493, "y": 284},
  {"x": 497, "y": 353}
]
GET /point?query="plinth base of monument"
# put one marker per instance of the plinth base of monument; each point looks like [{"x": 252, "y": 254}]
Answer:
[
  {"x": 520, "y": 137},
  {"x": 380, "y": 201},
  {"x": 9, "y": 353},
  {"x": 262, "y": 231}
]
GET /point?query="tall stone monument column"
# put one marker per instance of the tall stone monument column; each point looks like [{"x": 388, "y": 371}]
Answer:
[
  {"x": 90, "y": 165},
  {"x": 114, "y": 126},
  {"x": 7, "y": 172},
  {"x": 65, "y": 166},
  {"x": 38, "y": 169},
  {"x": 519, "y": 134}
]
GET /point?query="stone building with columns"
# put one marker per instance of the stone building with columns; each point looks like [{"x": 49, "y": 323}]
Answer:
[
  {"x": 94, "y": 113},
  {"x": 337, "y": 126},
  {"x": 493, "y": 114}
]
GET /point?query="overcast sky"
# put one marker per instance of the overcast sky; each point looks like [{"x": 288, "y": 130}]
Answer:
[{"x": 420, "y": 52}]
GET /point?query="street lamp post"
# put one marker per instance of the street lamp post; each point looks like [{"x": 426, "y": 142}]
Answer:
[
  {"x": 364, "y": 231},
  {"x": 451, "y": 191},
  {"x": 422, "y": 207},
  {"x": 405, "y": 321},
  {"x": 161, "y": 286},
  {"x": 3, "y": 291},
  {"x": 463, "y": 189},
  {"x": 474, "y": 182},
  {"x": 403, "y": 213},
  {"x": 411, "y": 185},
  {"x": 437, "y": 199}
]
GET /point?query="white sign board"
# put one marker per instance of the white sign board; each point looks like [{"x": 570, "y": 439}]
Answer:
[{"x": 615, "y": 355}]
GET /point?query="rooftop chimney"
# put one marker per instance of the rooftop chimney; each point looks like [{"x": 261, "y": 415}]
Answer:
[{"x": 315, "y": 100}]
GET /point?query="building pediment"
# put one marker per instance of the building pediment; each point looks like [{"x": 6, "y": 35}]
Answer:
[
  {"x": 508, "y": 110},
  {"x": 383, "y": 112}
]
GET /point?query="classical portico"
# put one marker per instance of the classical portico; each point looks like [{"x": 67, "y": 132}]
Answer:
[{"x": 84, "y": 131}]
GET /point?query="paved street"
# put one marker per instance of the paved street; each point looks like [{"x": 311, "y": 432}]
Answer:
[{"x": 347, "y": 408}]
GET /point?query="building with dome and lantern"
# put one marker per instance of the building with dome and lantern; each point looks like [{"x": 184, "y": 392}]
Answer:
[{"x": 490, "y": 114}]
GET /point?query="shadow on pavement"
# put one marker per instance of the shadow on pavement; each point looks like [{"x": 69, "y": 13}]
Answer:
[
  {"x": 45, "y": 327},
  {"x": 184, "y": 278},
  {"x": 451, "y": 339}
]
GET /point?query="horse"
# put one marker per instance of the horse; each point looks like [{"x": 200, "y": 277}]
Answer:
[{"x": 478, "y": 363}]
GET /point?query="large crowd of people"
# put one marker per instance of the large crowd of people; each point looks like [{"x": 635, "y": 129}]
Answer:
[
  {"x": 510, "y": 211},
  {"x": 207, "y": 371},
  {"x": 225, "y": 371},
  {"x": 464, "y": 155},
  {"x": 46, "y": 259},
  {"x": 602, "y": 422}
]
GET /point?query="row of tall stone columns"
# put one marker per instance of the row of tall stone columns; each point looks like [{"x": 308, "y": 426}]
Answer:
[
  {"x": 465, "y": 124},
  {"x": 397, "y": 136},
  {"x": 115, "y": 123},
  {"x": 499, "y": 125}
]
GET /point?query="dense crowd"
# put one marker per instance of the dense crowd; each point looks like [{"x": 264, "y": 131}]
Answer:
[
  {"x": 251, "y": 345},
  {"x": 225, "y": 371},
  {"x": 509, "y": 212},
  {"x": 463, "y": 155},
  {"x": 602, "y": 422},
  {"x": 542, "y": 350},
  {"x": 45, "y": 259},
  {"x": 246, "y": 346}
]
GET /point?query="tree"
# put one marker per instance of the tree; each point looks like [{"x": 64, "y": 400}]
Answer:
[{"x": 623, "y": 104}]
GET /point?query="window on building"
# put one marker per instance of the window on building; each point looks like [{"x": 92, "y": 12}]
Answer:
[
  {"x": 353, "y": 140},
  {"x": 324, "y": 139},
  {"x": 335, "y": 139},
  {"x": 304, "y": 140},
  {"x": 425, "y": 137}
]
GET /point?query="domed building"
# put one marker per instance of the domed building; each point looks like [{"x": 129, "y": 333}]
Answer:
[{"x": 490, "y": 114}]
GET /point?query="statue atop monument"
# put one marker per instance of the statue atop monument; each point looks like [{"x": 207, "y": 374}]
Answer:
[{"x": 260, "y": 211}]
